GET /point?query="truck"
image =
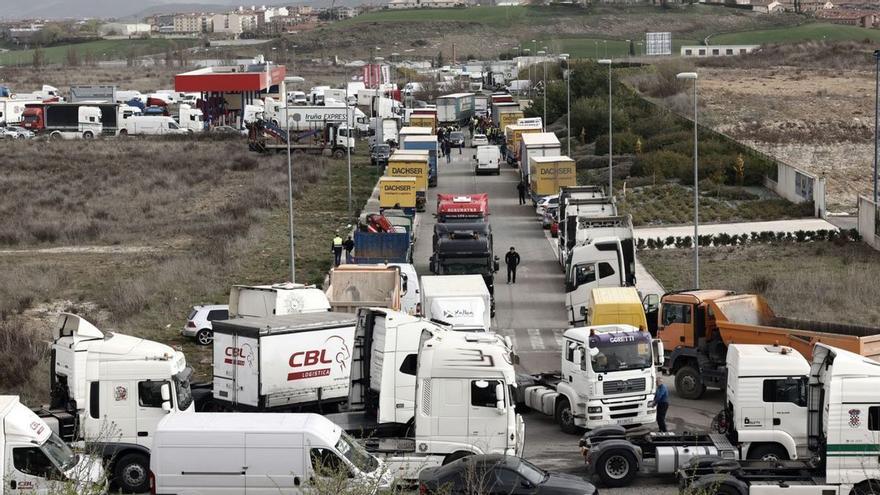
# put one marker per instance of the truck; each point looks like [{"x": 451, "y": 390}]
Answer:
[
  {"x": 109, "y": 391},
  {"x": 767, "y": 424},
  {"x": 481, "y": 105},
  {"x": 415, "y": 164},
  {"x": 93, "y": 93},
  {"x": 698, "y": 326},
  {"x": 375, "y": 285},
  {"x": 63, "y": 120},
  {"x": 604, "y": 256},
  {"x": 112, "y": 116},
  {"x": 512, "y": 134},
  {"x": 276, "y": 299},
  {"x": 617, "y": 305},
  {"x": 462, "y": 208},
  {"x": 424, "y": 120},
  {"x": 465, "y": 249},
  {"x": 385, "y": 131},
  {"x": 842, "y": 418},
  {"x": 398, "y": 193},
  {"x": 462, "y": 301},
  {"x": 304, "y": 118},
  {"x": 607, "y": 377},
  {"x": 505, "y": 114},
  {"x": 279, "y": 363},
  {"x": 423, "y": 143},
  {"x": 536, "y": 144},
  {"x": 12, "y": 109},
  {"x": 456, "y": 108},
  {"x": 189, "y": 118},
  {"x": 569, "y": 196},
  {"x": 331, "y": 139},
  {"x": 34, "y": 459},
  {"x": 581, "y": 206},
  {"x": 550, "y": 173},
  {"x": 463, "y": 403}
]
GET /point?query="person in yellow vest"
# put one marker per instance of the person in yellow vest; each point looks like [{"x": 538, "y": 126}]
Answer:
[{"x": 337, "y": 249}]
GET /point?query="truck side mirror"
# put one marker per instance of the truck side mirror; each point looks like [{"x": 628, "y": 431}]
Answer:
[
  {"x": 403, "y": 282},
  {"x": 658, "y": 352},
  {"x": 578, "y": 355},
  {"x": 165, "y": 391},
  {"x": 651, "y": 302},
  {"x": 499, "y": 398},
  {"x": 475, "y": 157}
]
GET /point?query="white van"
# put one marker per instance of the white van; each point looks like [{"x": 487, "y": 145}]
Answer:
[
  {"x": 488, "y": 160},
  {"x": 256, "y": 453},
  {"x": 152, "y": 125}
]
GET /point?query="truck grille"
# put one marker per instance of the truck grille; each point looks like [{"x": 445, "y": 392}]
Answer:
[{"x": 623, "y": 386}]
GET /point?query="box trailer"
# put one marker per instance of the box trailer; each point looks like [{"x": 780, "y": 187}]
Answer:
[
  {"x": 424, "y": 143},
  {"x": 550, "y": 173},
  {"x": 512, "y": 134},
  {"x": 398, "y": 193},
  {"x": 536, "y": 144},
  {"x": 415, "y": 164},
  {"x": 462, "y": 301},
  {"x": 456, "y": 108}
]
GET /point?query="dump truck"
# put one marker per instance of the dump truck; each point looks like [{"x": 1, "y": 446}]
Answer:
[
  {"x": 359, "y": 286},
  {"x": 549, "y": 174},
  {"x": 697, "y": 326}
]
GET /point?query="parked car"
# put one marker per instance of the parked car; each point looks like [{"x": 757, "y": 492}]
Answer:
[
  {"x": 15, "y": 132},
  {"x": 456, "y": 138},
  {"x": 549, "y": 216},
  {"x": 479, "y": 140},
  {"x": 199, "y": 325},
  {"x": 228, "y": 129},
  {"x": 544, "y": 202},
  {"x": 501, "y": 474},
  {"x": 379, "y": 154}
]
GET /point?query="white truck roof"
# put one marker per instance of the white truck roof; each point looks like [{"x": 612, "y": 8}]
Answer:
[
  {"x": 455, "y": 95},
  {"x": 418, "y": 138},
  {"x": 282, "y": 324},
  {"x": 415, "y": 131},
  {"x": 549, "y": 159},
  {"x": 581, "y": 334},
  {"x": 16, "y": 420},
  {"x": 208, "y": 423},
  {"x": 467, "y": 354},
  {"x": 539, "y": 139},
  {"x": 453, "y": 285},
  {"x": 766, "y": 360}
]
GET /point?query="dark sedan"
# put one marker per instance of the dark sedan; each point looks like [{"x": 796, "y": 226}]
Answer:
[{"x": 499, "y": 475}]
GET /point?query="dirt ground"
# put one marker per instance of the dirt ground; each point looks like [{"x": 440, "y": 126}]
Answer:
[{"x": 815, "y": 119}]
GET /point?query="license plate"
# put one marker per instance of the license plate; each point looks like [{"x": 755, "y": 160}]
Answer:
[{"x": 627, "y": 421}]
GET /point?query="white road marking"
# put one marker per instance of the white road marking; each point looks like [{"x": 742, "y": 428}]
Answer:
[{"x": 535, "y": 339}]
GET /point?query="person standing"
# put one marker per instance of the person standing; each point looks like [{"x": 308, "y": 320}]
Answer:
[
  {"x": 349, "y": 247},
  {"x": 511, "y": 259},
  {"x": 521, "y": 189},
  {"x": 337, "y": 250},
  {"x": 447, "y": 148},
  {"x": 661, "y": 400}
]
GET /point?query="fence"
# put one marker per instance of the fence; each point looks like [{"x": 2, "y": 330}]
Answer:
[
  {"x": 798, "y": 186},
  {"x": 868, "y": 216}
]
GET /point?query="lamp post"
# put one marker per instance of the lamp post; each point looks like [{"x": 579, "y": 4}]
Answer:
[
  {"x": 290, "y": 79},
  {"x": 693, "y": 76},
  {"x": 528, "y": 52},
  {"x": 348, "y": 125},
  {"x": 535, "y": 51},
  {"x": 542, "y": 53},
  {"x": 567, "y": 74},
  {"x": 596, "y": 45},
  {"x": 394, "y": 67},
  {"x": 607, "y": 62},
  {"x": 876, "y": 118}
]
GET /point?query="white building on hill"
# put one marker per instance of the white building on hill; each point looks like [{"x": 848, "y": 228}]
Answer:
[{"x": 426, "y": 4}]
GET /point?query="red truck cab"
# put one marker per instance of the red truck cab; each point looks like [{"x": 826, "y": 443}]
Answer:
[
  {"x": 462, "y": 207},
  {"x": 33, "y": 118}
]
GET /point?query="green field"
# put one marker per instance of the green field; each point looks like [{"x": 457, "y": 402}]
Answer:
[
  {"x": 813, "y": 31},
  {"x": 100, "y": 50}
]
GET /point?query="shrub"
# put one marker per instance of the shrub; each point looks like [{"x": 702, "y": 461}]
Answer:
[
  {"x": 662, "y": 164},
  {"x": 624, "y": 143},
  {"x": 590, "y": 116}
]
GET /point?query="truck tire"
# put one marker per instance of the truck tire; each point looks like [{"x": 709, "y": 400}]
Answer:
[
  {"x": 688, "y": 383},
  {"x": 867, "y": 487},
  {"x": 565, "y": 417},
  {"x": 55, "y": 136},
  {"x": 88, "y": 135},
  {"x": 123, "y": 132},
  {"x": 617, "y": 468},
  {"x": 205, "y": 337},
  {"x": 338, "y": 153},
  {"x": 768, "y": 452},
  {"x": 132, "y": 473}
]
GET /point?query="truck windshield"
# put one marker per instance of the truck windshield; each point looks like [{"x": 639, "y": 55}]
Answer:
[
  {"x": 182, "y": 388},
  {"x": 620, "y": 351},
  {"x": 356, "y": 454},
  {"x": 59, "y": 453},
  {"x": 465, "y": 266}
]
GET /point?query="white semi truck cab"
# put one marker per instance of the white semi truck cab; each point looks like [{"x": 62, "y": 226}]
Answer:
[
  {"x": 110, "y": 390},
  {"x": 607, "y": 377},
  {"x": 34, "y": 459}
]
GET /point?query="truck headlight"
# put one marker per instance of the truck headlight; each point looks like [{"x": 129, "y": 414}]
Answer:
[
  {"x": 651, "y": 403},
  {"x": 594, "y": 409}
]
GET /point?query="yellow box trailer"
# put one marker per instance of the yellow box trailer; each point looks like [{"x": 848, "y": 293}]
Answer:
[
  {"x": 397, "y": 192},
  {"x": 415, "y": 164},
  {"x": 547, "y": 174},
  {"x": 616, "y": 306}
]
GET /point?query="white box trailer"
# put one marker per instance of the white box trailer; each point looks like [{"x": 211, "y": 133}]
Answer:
[
  {"x": 462, "y": 301},
  {"x": 455, "y": 108},
  {"x": 282, "y": 362},
  {"x": 277, "y": 299},
  {"x": 536, "y": 144},
  {"x": 11, "y": 110}
]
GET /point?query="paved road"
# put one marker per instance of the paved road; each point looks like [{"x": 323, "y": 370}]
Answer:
[{"x": 532, "y": 311}]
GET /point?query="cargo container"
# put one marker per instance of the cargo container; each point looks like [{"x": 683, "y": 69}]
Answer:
[
  {"x": 506, "y": 113},
  {"x": 456, "y": 108},
  {"x": 415, "y": 164},
  {"x": 398, "y": 193},
  {"x": 382, "y": 247},
  {"x": 550, "y": 173},
  {"x": 536, "y": 144},
  {"x": 512, "y": 134},
  {"x": 424, "y": 143},
  {"x": 424, "y": 120}
]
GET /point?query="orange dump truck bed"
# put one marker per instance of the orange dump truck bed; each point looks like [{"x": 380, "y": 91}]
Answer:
[{"x": 747, "y": 319}]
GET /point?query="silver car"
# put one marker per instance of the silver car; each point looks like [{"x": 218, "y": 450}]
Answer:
[{"x": 15, "y": 132}]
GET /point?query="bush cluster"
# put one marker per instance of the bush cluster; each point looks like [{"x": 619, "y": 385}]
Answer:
[{"x": 839, "y": 237}]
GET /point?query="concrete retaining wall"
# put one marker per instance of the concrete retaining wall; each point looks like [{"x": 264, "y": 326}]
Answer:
[
  {"x": 798, "y": 186},
  {"x": 868, "y": 222}
]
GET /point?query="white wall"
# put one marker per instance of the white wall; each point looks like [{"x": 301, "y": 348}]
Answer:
[
  {"x": 867, "y": 224},
  {"x": 790, "y": 185}
]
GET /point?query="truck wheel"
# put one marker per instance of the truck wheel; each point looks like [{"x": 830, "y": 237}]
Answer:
[
  {"x": 617, "y": 468},
  {"x": 688, "y": 383},
  {"x": 868, "y": 487},
  {"x": 55, "y": 136},
  {"x": 338, "y": 153},
  {"x": 88, "y": 135},
  {"x": 768, "y": 452},
  {"x": 132, "y": 473},
  {"x": 565, "y": 417},
  {"x": 123, "y": 132},
  {"x": 205, "y": 337}
]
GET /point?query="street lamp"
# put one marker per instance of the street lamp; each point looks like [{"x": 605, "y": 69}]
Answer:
[
  {"x": 542, "y": 53},
  {"x": 607, "y": 62},
  {"x": 876, "y": 118},
  {"x": 535, "y": 51},
  {"x": 605, "y": 42},
  {"x": 295, "y": 80},
  {"x": 596, "y": 45},
  {"x": 567, "y": 74},
  {"x": 394, "y": 66},
  {"x": 693, "y": 75}
]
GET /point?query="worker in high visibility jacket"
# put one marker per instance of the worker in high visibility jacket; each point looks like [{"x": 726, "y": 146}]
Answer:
[{"x": 337, "y": 250}]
